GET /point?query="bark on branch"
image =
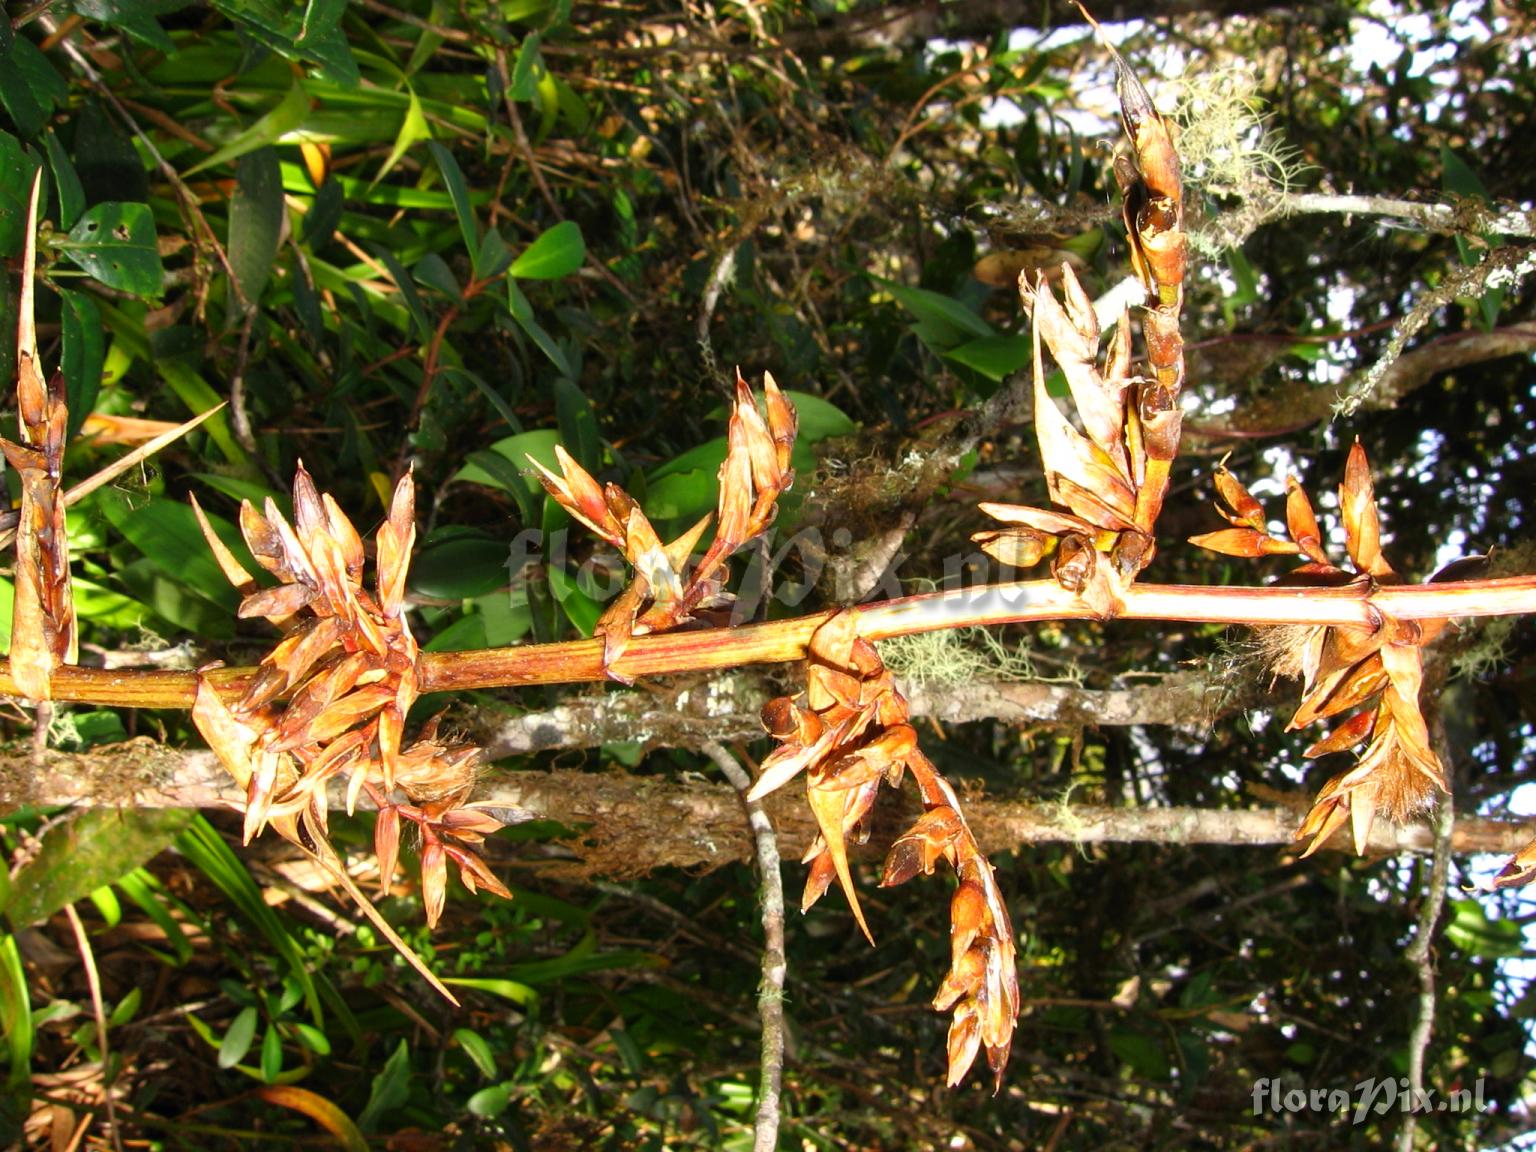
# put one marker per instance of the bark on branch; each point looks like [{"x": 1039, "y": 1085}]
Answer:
[{"x": 627, "y": 825}]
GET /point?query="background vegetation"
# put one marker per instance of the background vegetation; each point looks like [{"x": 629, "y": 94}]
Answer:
[{"x": 446, "y": 233}]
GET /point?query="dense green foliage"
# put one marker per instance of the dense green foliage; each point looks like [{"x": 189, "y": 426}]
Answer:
[{"x": 450, "y": 233}]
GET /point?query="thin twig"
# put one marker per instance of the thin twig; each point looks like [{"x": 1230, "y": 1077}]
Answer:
[
  {"x": 93, "y": 981},
  {"x": 1418, "y": 954},
  {"x": 770, "y": 997}
]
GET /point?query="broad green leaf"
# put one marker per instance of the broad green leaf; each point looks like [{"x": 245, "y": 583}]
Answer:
[
  {"x": 16, "y": 167},
  {"x": 513, "y": 474},
  {"x": 948, "y": 322},
  {"x": 284, "y": 118},
  {"x": 135, "y": 17},
  {"x": 324, "y": 214},
  {"x": 93, "y": 848},
  {"x": 7, "y": 608},
  {"x": 581, "y": 608},
  {"x": 82, "y": 355},
  {"x": 819, "y": 419},
  {"x": 255, "y": 224},
  {"x": 1146, "y": 1055},
  {"x": 433, "y": 271},
  {"x": 995, "y": 357},
  {"x": 66, "y": 181},
  {"x": 489, "y": 1103},
  {"x": 30, "y": 87},
  {"x": 321, "y": 18},
  {"x": 459, "y": 563},
  {"x": 279, "y": 24},
  {"x": 458, "y": 191},
  {"x": 682, "y": 496},
  {"x": 237, "y": 1040},
  {"x": 556, "y": 252},
  {"x": 115, "y": 242},
  {"x": 391, "y": 1088},
  {"x": 166, "y": 532},
  {"x": 408, "y": 294},
  {"x": 271, "y": 1055}
]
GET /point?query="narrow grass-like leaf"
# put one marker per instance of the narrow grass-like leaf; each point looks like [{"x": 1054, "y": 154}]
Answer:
[
  {"x": 521, "y": 310},
  {"x": 458, "y": 190},
  {"x": 408, "y": 294},
  {"x": 390, "y": 1090},
  {"x": 322, "y": 1111},
  {"x": 282, "y": 119},
  {"x": 144, "y": 891},
  {"x": 202, "y": 845},
  {"x": 15, "y": 1013},
  {"x": 83, "y": 354},
  {"x": 413, "y": 130},
  {"x": 66, "y": 181}
]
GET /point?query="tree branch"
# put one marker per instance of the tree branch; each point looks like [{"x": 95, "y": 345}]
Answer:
[{"x": 630, "y": 825}]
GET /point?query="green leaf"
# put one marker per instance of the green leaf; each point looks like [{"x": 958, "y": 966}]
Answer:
[
  {"x": 30, "y": 87},
  {"x": 459, "y": 563},
  {"x": 86, "y": 851},
  {"x": 995, "y": 357},
  {"x": 581, "y": 608},
  {"x": 321, "y": 19},
  {"x": 324, "y": 214},
  {"x": 458, "y": 192},
  {"x": 525, "y": 71},
  {"x": 408, "y": 293},
  {"x": 519, "y": 994},
  {"x": 135, "y": 17},
  {"x": 115, "y": 242},
  {"x": 493, "y": 258},
  {"x": 522, "y": 311},
  {"x": 237, "y": 1040},
  {"x": 489, "y": 1103},
  {"x": 391, "y": 1088},
  {"x": 271, "y": 1055},
  {"x": 82, "y": 355},
  {"x": 127, "y": 1008},
  {"x": 16, "y": 167},
  {"x": 66, "y": 181},
  {"x": 283, "y": 119},
  {"x": 314, "y": 1039},
  {"x": 558, "y": 251},
  {"x": 144, "y": 890},
  {"x": 413, "y": 130},
  {"x": 15, "y": 1014},
  {"x": 578, "y": 424},
  {"x": 477, "y": 1049},
  {"x": 1145, "y": 1054},
  {"x": 206, "y": 850},
  {"x": 505, "y": 465},
  {"x": 819, "y": 419},
  {"x": 947, "y": 321},
  {"x": 255, "y": 222},
  {"x": 433, "y": 271},
  {"x": 279, "y": 25},
  {"x": 166, "y": 532}
]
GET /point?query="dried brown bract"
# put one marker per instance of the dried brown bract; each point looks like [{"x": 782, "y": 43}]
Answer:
[
  {"x": 1376, "y": 675},
  {"x": 43, "y": 631},
  {"x": 667, "y": 588},
  {"x": 332, "y": 696},
  {"x": 1111, "y": 475},
  {"x": 849, "y": 733}
]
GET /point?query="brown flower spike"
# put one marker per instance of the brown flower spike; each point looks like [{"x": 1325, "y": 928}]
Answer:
[
  {"x": 331, "y": 698},
  {"x": 1111, "y": 475},
  {"x": 848, "y": 733},
  {"x": 1377, "y": 674}
]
